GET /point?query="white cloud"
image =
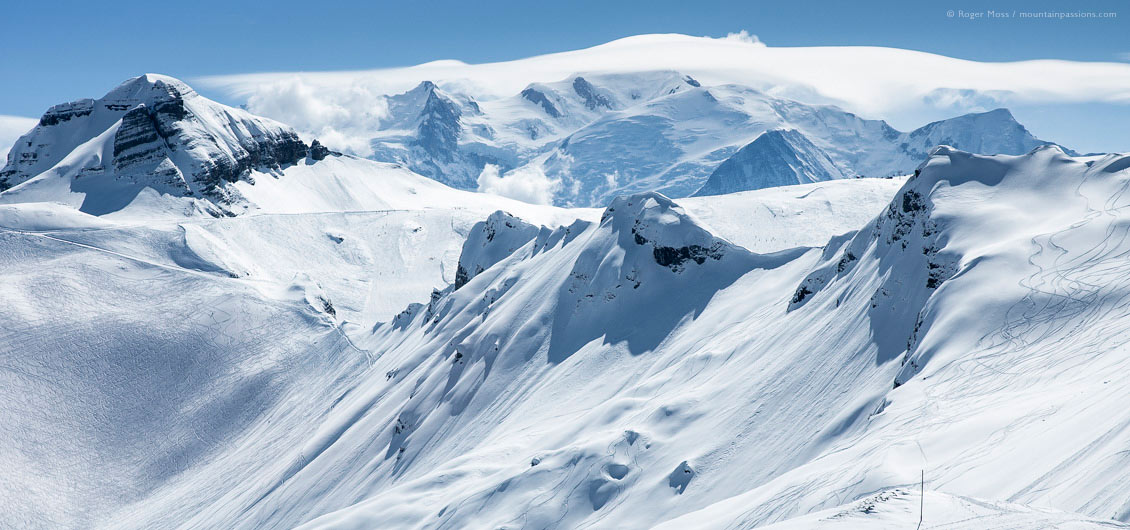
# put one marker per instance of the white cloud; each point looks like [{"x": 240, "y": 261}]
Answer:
[
  {"x": 967, "y": 100},
  {"x": 11, "y": 128},
  {"x": 342, "y": 116},
  {"x": 1123, "y": 56},
  {"x": 744, "y": 37},
  {"x": 527, "y": 184},
  {"x": 905, "y": 87}
]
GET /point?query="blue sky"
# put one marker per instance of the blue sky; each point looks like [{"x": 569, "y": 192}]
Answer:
[{"x": 66, "y": 50}]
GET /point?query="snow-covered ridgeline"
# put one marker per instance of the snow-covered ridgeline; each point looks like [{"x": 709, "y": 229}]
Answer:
[
  {"x": 652, "y": 364},
  {"x": 591, "y": 375}
]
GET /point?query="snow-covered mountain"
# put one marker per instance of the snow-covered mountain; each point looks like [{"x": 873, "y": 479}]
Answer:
[
  {"x": 151, "y": 132},
  {"x": 776, "y": 158},
  {"x": 782, "y": 157},
  {"x": 153, "y": 147},
  {"x": 593, "y": 137},
  {"x": 641, "y": 371},
  {"x": 362, "y": 346}
]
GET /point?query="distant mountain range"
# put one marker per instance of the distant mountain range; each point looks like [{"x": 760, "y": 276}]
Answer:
[
  {"x": 597, "y": 136},
  {"x": 588, "y": 139},
  {"x": 153, "y": 147}
]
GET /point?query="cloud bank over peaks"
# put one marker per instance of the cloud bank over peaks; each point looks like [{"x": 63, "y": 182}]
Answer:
[
  {"x": 527, "y": 184},
  {"x": 342, "y": 116},
  {"x": 905, "y": 87}
]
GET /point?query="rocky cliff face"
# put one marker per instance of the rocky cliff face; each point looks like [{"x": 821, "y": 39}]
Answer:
[
  {"x": 320, "y": 152},
  {"x": 151, "y": 131},
  {"x": 438, "y": 131},
  {"x": 591, "y": 95},
  {"x": 538, "y": 97}
]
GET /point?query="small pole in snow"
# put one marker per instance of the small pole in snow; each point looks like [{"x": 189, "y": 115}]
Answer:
[{"x": 922, "y": 500}]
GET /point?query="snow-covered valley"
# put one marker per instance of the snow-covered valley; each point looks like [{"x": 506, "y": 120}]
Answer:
[{"x": 208, "y": 322}]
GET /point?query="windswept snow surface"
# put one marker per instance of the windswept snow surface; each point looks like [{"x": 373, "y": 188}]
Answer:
[
  {"x": 805, "y": 215},
  {"x": 149, "y": 357},
  {"x": 362, "y": 347},
  {"x": 969, "y": 332},
  {"x": 628, "y": 371},
  {"x": 902, "y": 509}
]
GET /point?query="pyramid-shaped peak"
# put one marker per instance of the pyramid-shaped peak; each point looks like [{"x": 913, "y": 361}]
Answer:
[{"x": 149, "y": 89}]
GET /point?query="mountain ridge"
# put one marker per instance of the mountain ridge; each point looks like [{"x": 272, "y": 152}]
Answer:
[
  {"x": 593, "y": 136},
  {"x": 152, "y": 131},
  {"x": 780, "y": 156}
]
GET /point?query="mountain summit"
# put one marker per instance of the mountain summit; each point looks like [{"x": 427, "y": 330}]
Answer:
[
  {"x": 151, "y": 131},
  {"x": 783, "y": 157}
]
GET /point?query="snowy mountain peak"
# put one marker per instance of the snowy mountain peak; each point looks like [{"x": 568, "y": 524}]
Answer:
[
  {"x": 992, "y": 132},
  {"x": 779, "y": 157},
  {"x": 602, "y": 134},
  {"x": 671, "y": 237},
  {"x": 149, "y": 89},
  {"x": 592, "y": 96},
  {"x": 152, "y": 131},
  {"x": 438, "y": 131},
  {"x": 491, "y": 241},
  {"x": 931, "y": 232},
  {"x": 425, "y": 87}
]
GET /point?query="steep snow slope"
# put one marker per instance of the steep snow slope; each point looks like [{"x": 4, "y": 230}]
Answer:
[
  {"x": 134, "y": 350},
  {"x": 776, "y": 158},
  {"x": 119, "y": 373},
  {"x": 129, "y": 333},
  {"x": 1010, "y": 310},
  {"x": 376, "y": 237},
  {"x": 628, "y": 372},
  {"x": 640, "y": 370},
  {"x": 654, "y": 364}
]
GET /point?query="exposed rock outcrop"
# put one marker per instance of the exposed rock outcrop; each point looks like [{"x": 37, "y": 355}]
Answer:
[
  {"x": 153, "y": 131},
  {"x": 319, "y": 151}
]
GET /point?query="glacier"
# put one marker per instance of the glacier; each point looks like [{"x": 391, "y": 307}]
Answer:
[{"x": 597, "y": 136}]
